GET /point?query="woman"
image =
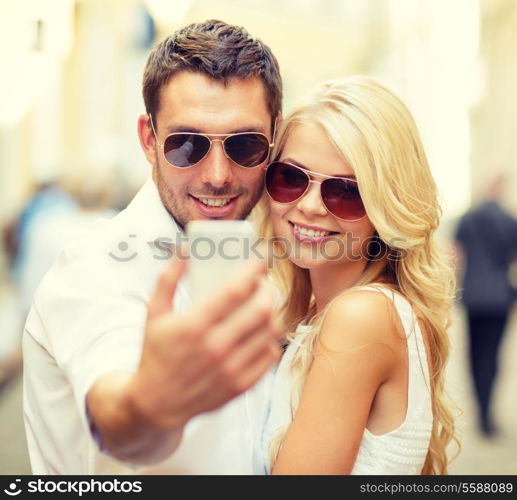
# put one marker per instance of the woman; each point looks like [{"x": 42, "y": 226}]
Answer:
[{"x": 353, "y": 208}]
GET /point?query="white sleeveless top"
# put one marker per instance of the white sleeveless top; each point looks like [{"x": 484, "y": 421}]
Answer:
[{"x": 398, "y": 452}]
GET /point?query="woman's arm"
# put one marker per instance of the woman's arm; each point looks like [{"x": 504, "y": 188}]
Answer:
[{"x": 353, "y": 358}]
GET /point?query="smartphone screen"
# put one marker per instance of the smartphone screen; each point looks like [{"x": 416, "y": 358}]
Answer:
[{"x": 216, "y": 250}]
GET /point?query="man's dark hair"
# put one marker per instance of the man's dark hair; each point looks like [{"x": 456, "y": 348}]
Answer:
[{"x": 218, "y": 50}]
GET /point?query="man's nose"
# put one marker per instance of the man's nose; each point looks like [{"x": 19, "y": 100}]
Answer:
[{"x": 216, "y": 167}]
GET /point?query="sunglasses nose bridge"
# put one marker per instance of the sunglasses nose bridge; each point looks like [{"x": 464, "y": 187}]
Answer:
[
  {"x": 223, "y": 146},
  {"x": 218, "y": 169}
]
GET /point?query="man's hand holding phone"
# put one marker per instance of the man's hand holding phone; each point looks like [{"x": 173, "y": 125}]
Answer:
[
  {"x": 196, "y": 361},
  {"x": 191, "y": 362}
]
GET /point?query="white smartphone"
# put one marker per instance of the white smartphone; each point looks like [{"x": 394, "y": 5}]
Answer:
[{"x": 217, "y": 248}]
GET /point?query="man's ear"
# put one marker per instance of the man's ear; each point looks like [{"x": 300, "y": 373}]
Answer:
[
  {"x": 147, "y": 139},
  {"x": 278, "y": 120}
]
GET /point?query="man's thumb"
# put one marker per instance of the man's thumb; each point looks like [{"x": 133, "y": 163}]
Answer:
[{"x": 161, "y": 300}]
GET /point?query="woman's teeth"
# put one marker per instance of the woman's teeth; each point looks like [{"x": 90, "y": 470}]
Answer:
[
  {"x": 210, "y": 202},
  {"x": 310, "y": 232}
]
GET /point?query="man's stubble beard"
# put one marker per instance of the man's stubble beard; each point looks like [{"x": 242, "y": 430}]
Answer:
[
  {"x": 179, "y": 214},
  {"x": 167, "y": 196}
]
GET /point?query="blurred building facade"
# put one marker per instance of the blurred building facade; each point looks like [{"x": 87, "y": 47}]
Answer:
[
  {"x": 493, "y": 118},
  {"x": 73, "y": 70}
]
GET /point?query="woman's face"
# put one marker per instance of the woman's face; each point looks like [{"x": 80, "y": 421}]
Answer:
[{"x": 313, "y": 236}]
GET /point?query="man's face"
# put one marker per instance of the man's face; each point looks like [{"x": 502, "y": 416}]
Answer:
[{"x": 195, "y": 103}]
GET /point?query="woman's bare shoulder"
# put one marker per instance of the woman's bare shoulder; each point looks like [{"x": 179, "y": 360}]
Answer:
[{"x": 363, "y": 315}]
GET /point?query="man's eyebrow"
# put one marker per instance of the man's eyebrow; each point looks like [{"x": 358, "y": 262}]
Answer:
[
  {"x": 195, "y": 130},
  {"x": 297, "y": 163},
  {"x": 171, "y": 129}
]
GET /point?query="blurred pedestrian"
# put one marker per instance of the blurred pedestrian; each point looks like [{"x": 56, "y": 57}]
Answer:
[
  {"x": 89, "y": 197},
  {"x": 48, "y": 197},
  {"x": 487, "y": 240}
]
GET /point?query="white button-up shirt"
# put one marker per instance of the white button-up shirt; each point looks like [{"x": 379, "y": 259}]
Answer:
[{"x": 87, "y": 319}]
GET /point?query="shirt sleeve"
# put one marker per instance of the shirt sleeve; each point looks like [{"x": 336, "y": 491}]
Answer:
[{"x": 93, "y": 315}]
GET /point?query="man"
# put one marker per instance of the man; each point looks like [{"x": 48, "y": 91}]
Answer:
[
  {"x": 487, "y": 246},
  {"x": 113, "y": 374}
]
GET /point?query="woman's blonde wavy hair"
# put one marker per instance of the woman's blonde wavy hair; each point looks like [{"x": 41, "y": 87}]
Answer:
[{"x": 376, "y": 134}]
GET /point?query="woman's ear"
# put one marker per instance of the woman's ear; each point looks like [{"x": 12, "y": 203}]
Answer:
[{"x": 372, "y": 246}]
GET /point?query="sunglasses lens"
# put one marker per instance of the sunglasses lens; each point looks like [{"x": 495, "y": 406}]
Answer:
[
  {"x": 185, "y": 150},
  {"x": 342, "y": 199},
  {"x": 285, "y": 183},
  {"x": 247, "y": 150}
]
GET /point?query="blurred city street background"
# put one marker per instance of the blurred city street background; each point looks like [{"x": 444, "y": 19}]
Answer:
[{"x": 71, "y": 74}]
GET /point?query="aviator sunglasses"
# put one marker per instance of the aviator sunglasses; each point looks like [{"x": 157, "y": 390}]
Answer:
[
  {"x": 186, "y": 149},
  {"x": 287, "y": 183}
]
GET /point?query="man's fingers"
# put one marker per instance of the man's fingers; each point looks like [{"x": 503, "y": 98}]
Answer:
[
  {"x": 161, "y": 301},
  {"x": 216, "y": 355},
  {"x": 260, "y": 365},
  {"x": 255, "y": 347},
  {"x": 218, "y": 385},
  {"x": 248, "y": 320}
]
